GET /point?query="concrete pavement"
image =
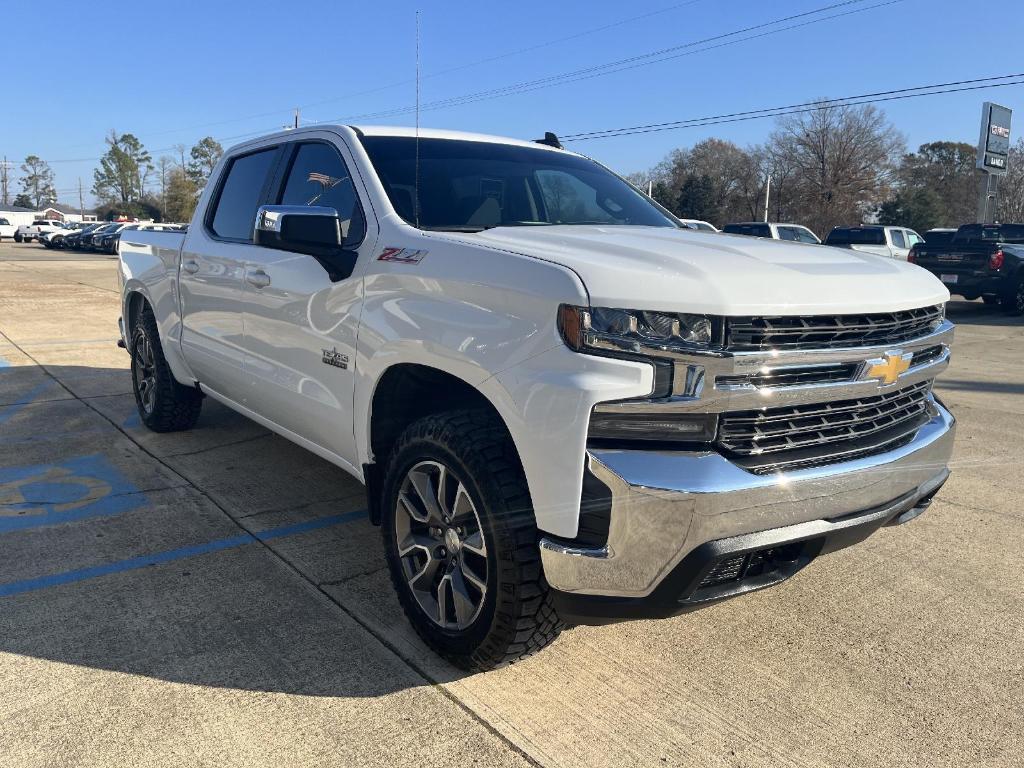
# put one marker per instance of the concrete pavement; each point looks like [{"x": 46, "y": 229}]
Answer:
[{"x": 218, "y": 597}]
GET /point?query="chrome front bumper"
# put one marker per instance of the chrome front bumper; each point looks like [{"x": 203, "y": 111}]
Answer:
[{"x": 667, "y": 504}]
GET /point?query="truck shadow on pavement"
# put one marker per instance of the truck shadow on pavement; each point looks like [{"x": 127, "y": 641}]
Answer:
[{"x": 224, "y": 556}]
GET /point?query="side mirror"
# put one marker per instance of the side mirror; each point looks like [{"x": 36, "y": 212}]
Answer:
[
  {"x": 298, "y": 227},
  {"x": 316, "y": 231}
]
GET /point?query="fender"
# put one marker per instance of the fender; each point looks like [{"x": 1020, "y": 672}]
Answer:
[{"x": 153, "y": 273}]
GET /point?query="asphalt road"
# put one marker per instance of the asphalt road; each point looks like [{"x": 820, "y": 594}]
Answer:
[{"x": 217, "y": 597}]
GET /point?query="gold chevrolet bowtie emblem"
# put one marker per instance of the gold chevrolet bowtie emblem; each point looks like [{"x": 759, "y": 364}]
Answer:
[{"x": 888, "y": 368}]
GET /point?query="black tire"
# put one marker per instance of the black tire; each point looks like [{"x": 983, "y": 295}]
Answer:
[
  {"x": 164, "y": 404},
  {"x": 515, "y": 618},
  {"x": 17, "y": 238},
  {"x": 1012, "y": 301}
]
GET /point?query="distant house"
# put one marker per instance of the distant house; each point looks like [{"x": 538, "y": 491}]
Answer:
[
  {"x": 19, "y": 216},
  {"x": 63, "y": 212}
]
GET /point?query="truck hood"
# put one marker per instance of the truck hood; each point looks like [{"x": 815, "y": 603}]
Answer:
[{"x": 704, "y": 272}]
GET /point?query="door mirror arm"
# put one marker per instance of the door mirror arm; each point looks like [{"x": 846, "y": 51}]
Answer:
[{"x": 316, "y": 231}]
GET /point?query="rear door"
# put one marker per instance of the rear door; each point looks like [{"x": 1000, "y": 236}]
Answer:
[
  {"x": 300, "y": 327},
  {"x": 212, "y": 270},
  {"x": 898, "y": 245}
]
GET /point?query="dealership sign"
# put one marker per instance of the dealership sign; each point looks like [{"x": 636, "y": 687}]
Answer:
[{"x": 994, "y": 144}]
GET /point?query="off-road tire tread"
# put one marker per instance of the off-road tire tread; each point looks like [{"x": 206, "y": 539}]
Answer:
[
  {"x": 177, "y": 406},
  {"x": 530, "y": 623}
]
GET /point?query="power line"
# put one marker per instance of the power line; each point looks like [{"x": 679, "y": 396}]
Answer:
[
  {"x": 639, "y": 60},
  {"x": 439, "y": 73},
  {"x": 600, "y": 70},
  {"x": 809, "y": 106}
]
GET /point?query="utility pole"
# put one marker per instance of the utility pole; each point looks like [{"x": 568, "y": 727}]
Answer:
[
  {"x": 650, "y": 189},
  {"x": 5, "y": 192},
  {"x": 296, "y": 117},
  {"x": 81, "y": 204},
  {"x": 767, "y": 196}
]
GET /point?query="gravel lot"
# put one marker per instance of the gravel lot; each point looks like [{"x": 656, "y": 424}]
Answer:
[{"x": 217, "y": 597}]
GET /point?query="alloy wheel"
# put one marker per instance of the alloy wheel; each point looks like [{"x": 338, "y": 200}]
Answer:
[
  {"x": 441, "y": 545},
  {"x": 144, "y": 372}
]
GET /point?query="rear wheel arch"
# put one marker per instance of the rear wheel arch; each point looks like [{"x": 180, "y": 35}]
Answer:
[{"x": 134, "y": 303}]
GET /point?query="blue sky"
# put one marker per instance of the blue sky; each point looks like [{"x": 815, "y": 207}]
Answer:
[{"x": 174, "y": 72}]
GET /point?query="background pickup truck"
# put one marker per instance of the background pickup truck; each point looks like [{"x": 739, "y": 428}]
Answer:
[
  {"x": 984, "y": 260},
  {"x": 29, "y": 232},
  {"x": 565, "y": 407}
]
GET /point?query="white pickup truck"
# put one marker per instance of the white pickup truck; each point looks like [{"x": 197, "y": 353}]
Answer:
[
  {"x": 26, "y": 233},
  {"x": 566, "y": 407}
]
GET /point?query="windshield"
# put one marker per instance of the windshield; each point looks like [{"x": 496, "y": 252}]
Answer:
[{"x": 469, "y": 186}]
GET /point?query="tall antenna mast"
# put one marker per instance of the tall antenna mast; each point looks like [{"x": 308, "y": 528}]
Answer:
[{"x": 416, "y": 182}]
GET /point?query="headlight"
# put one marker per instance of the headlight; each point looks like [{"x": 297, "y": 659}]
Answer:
[{"x": 631, "y": 331}]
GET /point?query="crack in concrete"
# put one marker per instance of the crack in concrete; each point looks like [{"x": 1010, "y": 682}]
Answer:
[{"x": 197, "y": 451}]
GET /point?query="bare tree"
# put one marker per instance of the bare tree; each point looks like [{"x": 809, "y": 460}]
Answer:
[
  {"x": 843, "y": 159},
  {"x": 1011, "y": 187}
]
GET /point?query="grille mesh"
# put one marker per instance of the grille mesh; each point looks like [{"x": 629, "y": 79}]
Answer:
[
  {"x": 815, "y": 433},
  {"x": 830, "y": 331}
]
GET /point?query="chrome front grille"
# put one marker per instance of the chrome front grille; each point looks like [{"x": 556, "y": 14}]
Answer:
[
  {"x": 830, "y": 331},
  {"x": 804, "y": 435},
  {"x": 795, "y": 376}
]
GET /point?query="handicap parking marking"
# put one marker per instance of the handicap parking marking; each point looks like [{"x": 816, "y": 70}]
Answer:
[
  {"x": 74, "y": 489},
  {"x": 7, "y": 412},
  {"x": 133, "y": 421},
  {"x": 144, "y": 561},
  {"x": 4, "y": 362}
]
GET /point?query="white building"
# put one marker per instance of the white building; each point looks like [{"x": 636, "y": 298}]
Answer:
[{"x": 19, "y": 216}]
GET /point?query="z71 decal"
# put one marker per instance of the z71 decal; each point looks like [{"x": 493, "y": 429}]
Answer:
[{"x": 402, "y": 255}]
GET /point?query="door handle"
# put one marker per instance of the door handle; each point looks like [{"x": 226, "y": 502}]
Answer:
[
  {"x": 190, "y": 265},
  {"x": 259, "y": 278}
]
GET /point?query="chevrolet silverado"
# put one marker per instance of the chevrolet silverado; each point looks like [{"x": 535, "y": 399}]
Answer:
[{"x": 565, "y": 406}]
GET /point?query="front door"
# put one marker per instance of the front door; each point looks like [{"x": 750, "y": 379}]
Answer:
[
  {"x": 212, "y": 271},
  {"x": 300, "y": 327}
]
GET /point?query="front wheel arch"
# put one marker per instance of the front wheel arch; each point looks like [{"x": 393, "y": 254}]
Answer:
[{"x": 404, "y": 394}]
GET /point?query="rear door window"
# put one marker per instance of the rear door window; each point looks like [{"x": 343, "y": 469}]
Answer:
[
  {"x": 897, "y": 238},
  {"x": 240, "y": 195},
  {"x": 319, "y": 177}
]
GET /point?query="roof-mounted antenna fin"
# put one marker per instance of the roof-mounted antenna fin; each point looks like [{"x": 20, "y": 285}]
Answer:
[{"x": 550, "y": 140}]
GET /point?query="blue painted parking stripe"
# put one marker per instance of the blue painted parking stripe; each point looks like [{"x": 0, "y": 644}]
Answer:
[
  {"x": 4, "y": 362},
  {"x": 143, "y": 561}
]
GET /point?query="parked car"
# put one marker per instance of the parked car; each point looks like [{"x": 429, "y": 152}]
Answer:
[
  {"x": 698, "y": 224},
  {"x": 600, "y": 418},
  {"x": 792, "y": 232},
  {"x": 6, "y": 229},
  {"x": 106, "y": 241},
  {"x": 28, "y": 232},
  {"x": 94, "y": 242},
  {"x": 54, "y": 239},
  {"x": 985, "y": 260},
  {"x": 894, "y": 242},
  {"x": 77, "y": 240}
]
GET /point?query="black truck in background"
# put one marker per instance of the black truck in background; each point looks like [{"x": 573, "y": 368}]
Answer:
[{"x": 984, "y": 260}]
